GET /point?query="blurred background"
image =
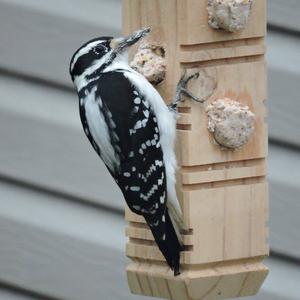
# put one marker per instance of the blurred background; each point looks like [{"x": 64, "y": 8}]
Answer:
[{"x": 61, "y": 216}]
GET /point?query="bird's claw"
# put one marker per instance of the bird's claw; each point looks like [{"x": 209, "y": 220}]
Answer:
[
  {"x": 182, "y": 90},
  {"x": 185, "y": 80}
]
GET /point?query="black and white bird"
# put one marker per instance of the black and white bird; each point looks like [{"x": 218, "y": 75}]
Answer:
[{"x": 133, "y": 131}]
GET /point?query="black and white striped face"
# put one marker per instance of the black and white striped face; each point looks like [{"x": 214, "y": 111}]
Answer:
[
  {"x": 89, "y": 54},
  {"x": 101, "y": 52}
]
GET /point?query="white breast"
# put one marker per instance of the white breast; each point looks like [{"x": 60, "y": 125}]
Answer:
[{"x": 99, "y": 130}]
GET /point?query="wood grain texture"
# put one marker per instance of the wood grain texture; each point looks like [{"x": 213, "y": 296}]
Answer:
[
  {"x": 222, "y": 50},
  {"x": 223, "y": 171},
  {"x": 194, "y": 28},
  {"x": 235, "y": 230},
  {"x": 154, "y": 14},
  {"x": 250, "y": 91},
  {"x": 217, "y": 282},
  {"x": 223, "y": 193}
]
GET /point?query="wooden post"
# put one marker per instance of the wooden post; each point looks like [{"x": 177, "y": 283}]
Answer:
[{"x": 223, "y": 193}]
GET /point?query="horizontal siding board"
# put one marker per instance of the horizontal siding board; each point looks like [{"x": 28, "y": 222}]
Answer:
[
  {"x": 284, "y": 220},
  {"x": 284, "y": 14},
  {"x": 62, "y": 249},
  {"x": 58, "y": 214},
  {"x": 282, "y": 281},
  {"x": 284, "y": 107},
  {"x": 99, "y": 13},
  {"x": 284, "y": 174},
  {"x": 284, "y": 166},
  {"x": 40, "y": 44},
  {"x": 59, "y": 248},
  {"x": 43, "y": 144},
  {"x": 266, "y": 296},
  {"x": 284, "y": 76},
  {"x": 56, "y": 159},
  {"x": 59, "y": 266},
  {"x": 9, "y": 294}
]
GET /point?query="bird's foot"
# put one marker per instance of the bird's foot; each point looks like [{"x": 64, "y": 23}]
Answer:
[{"x": 182, "y": 90}]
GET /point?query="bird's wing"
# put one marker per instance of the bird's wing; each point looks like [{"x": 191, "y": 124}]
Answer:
[
  {"x": 141, "y": 172},
  {"x": 100, "y": 128},
  {"x": 135, "y": 135}
]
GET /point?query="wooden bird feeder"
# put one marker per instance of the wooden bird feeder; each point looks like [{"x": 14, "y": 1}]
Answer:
[{"x": 223, "y": 193}]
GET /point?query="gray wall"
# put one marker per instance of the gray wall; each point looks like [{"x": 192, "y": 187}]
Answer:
[{"x": 61, "y": 216}]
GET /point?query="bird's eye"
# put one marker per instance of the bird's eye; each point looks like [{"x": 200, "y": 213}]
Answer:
[{"x": 99, "y": 49}]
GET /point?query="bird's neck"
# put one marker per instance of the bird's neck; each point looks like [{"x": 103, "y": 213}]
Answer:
[
  {"x": 94, "y": 72},
  {"x": 120, "y": 62}
]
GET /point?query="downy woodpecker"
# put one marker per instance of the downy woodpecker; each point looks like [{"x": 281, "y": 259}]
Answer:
[{"x": 133, "y": 131}]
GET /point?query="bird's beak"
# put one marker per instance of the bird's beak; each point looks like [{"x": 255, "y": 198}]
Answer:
[{"x": 120, "y": 44}]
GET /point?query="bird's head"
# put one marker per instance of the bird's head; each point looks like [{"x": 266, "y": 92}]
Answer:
[{"x": 99, "y": 53}]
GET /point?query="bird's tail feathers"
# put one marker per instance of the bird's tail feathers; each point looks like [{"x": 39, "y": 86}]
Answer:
[{"x": 169, "y": 244}]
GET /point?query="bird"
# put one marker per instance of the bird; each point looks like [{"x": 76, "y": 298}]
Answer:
[{"x": 133, "y": 131}]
